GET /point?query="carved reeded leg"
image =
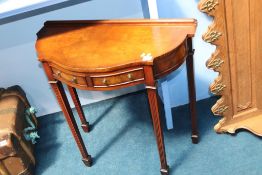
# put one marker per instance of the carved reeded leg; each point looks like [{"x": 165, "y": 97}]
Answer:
[
  {"x": 192, "y": 92},
  {"x": 153, "y": 103},
  {"x": 84, "y": 124},
  {"x": 64, "y": 104}
]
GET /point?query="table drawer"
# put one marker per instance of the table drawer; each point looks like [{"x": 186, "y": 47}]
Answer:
[
  {"x": 119, "y": 78},
  {"x": 67, "y": 77}
]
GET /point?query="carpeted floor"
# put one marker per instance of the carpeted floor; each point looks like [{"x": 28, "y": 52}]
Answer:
[{"x": 122, "y": 143}]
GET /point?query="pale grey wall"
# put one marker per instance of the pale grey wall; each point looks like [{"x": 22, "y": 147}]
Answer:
[
  {"x": 19, "y": 64},
  {"x": 177, "y": 81}
]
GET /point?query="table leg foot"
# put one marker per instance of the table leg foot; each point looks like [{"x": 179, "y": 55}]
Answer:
[
  {"x": 192, "y": 92},
  {"x": 164, "y": 171},
  {"x": 85, "y": 127},
  {"x": 194, "y": 139},
  {"x": 151, "y": 86},
  {"x": 88, "y": 161}
]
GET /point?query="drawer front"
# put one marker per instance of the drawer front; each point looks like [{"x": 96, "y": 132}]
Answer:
[
  {"x": 118, "y": 79},
  {"x": 69, "y": 78}
]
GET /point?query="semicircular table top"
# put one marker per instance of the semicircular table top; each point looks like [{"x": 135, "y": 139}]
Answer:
[{"x": 92, "y": 46}]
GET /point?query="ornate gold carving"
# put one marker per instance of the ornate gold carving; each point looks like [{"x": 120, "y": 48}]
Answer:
[
  {"x": 217, "y": 35},
  {"x": 217, "y": 88},
  {"x": 247, "y": 124},
  {"x": 209, "y": 5},
  {"x": 218, "y": 126},
  {"x": 243, "y": 107},
  {"x": 212, "y": 36},
  {"x": 220, "y": 110},
  {"x": 215, "y": 63}
]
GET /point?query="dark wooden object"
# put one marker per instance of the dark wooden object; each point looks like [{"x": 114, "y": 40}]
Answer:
[
  {"x": 191, "y": 90},
  {"x": 16, "y": 152},
  {"x": 108, "y": 55}
]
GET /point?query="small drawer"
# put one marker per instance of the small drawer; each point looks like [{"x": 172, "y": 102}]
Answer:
[
  {"x": 119, "y": 78},
  {"x": 69, "y": 78}
]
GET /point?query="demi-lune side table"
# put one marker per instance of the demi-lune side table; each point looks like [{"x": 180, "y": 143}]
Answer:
[{"x": 112, "y": 54}]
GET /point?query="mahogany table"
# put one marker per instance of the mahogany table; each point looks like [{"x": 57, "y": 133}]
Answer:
[{"x": 108, "y": 55}]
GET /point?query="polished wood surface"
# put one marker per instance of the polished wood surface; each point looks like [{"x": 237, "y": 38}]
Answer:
[
  {"x": 76, "y": 46},
  {"x": 73, "y": 50},
  {"x": 108, "y": 55},
  {"x": 236, "y": 31}
]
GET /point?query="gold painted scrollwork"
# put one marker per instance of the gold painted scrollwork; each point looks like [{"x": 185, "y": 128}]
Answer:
[
  {"x": 215, "y": 35},
  {"x": 212, "y": 36},
  {"x": 209, "y": 5},
  {"x": 215, "y": 63},
  {"x": 220, "y": 110},
  {"x": 217, "y": 88}
]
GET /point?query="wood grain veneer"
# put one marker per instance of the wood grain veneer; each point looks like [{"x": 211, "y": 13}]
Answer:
[{"x": 64, "y": 38}]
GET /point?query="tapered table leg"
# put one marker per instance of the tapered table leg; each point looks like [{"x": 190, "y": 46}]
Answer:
[
  {"x": 192, "y": 92},
  {"x": 84, "y": 124},
  {"x": 153, "y": 103},
  {"x": 64, "y": 104}
]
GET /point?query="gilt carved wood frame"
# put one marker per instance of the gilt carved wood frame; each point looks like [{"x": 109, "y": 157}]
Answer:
[{"x": 236, "y": 33}]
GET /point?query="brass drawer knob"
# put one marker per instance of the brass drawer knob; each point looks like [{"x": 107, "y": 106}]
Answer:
[
  {"x": 130, "y": 76},
  {"x": 105, "y": 82},
  {"x": 58, "y": 74},
  {"x": 74, "y": 80}
]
